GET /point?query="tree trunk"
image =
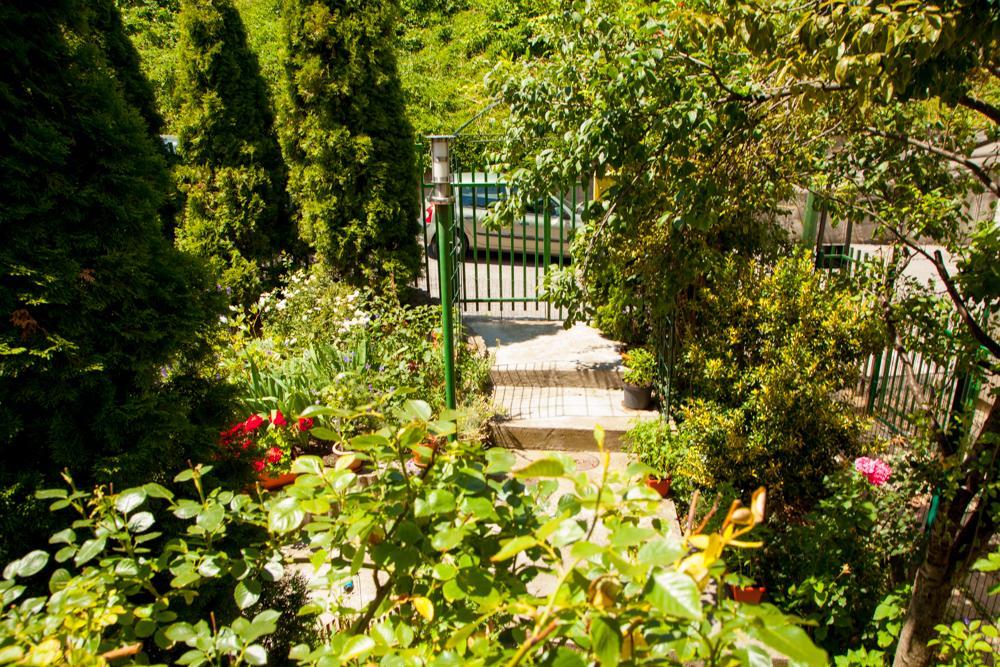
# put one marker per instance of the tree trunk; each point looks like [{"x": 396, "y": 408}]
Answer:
[{"x": 931, "y": 592}]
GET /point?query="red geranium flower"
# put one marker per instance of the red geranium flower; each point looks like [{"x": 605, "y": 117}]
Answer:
[
  {"x": 279, "y": 419},
  {"x": 252, "y": 423},
  {"x": 305, "y": 423},
  {"x": 246, "y": 444},
  {"x": 274, "y": 455},
  {"x": 259, "y": 465}
]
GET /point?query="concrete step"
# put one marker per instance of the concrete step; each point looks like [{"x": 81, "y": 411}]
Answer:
[
  {"x": 561, "y": 417},
  {"x": 542, "y": 353}
]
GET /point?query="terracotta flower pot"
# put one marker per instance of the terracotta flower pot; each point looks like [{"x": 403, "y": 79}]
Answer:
[
  {"x": 430, "y": 443},
  {"x": 273, "y": 482},
  {"x": 637, "y": 397},
  {"x": 748, "y": 594},
  {"x": 659, "y": 484},
  {"x": 339, "y": 452}
]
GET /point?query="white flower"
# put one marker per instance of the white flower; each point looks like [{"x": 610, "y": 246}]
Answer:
[
  {"x": 281, "y": 305},
  {"x": 223, "y": 319}
]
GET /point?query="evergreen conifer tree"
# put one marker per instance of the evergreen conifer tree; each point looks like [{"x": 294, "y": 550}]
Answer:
[
  {"x": 231, "y": 171},
  {"x": 121, "y": 54},
  {"x": 101, "y": 319},
  {"x": 347, "y": 143}
]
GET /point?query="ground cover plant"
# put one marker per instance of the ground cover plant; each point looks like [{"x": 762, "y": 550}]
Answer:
[{"x": 452, "y": 548}]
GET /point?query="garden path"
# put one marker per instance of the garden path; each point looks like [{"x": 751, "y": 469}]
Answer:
[{"x": 552, "y": 385}]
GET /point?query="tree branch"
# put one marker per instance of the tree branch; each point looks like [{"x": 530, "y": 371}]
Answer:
[
  {"x": 977, "y": 332},
  {"x": 985, "y": 108},
  {"x": 958, "y": 159}
]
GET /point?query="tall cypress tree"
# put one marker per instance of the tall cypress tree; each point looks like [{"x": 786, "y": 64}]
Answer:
[
  {"x": 100, "y": 317},
  {"x": 347, "y": 142},
  {"x": 231, "y": 172},
  {"x": 106, "y": 24}
]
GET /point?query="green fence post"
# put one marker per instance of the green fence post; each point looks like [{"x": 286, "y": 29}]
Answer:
[{"x": 442, "y": 200}]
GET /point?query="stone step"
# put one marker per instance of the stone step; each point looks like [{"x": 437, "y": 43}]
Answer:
[
  {"x": 558, "y": 374},
  {"x": 542, "y": 353},
  {"x": 561, "y": 417}
]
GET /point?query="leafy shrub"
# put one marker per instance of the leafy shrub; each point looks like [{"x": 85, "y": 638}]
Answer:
[
  {"x": 324, "y": 341},
  {"x": 231, "y": 173},
  {"x": 347, "y": 142},
  {"x": 669, "y": 453},
  {"x": 965, "y": 643},
  {"x": 853, "y": 550},
  {"x": 453, "y": 552},
  {"x": 640, "y": 367},
  {"x": 766, "y": 366}
]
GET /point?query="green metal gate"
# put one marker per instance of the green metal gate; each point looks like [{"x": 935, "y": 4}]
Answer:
[{"x": 498, "y": 271}]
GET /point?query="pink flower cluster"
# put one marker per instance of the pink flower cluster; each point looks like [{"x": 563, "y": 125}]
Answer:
[{"x": 874, "y": 470}]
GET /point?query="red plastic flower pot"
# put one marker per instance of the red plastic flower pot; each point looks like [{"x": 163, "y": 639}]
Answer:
[
  {"x": 659, "y": 484},
  {"x": 430, "y": 443},
  {"x": 747, "y": 594}
]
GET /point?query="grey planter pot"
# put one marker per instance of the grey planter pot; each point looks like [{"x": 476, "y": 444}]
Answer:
[{"x": 637, "y": 397}]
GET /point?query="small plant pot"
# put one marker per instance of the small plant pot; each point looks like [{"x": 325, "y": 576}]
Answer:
[
  {"x": 659, "y": 484},
  {"x": 637, "y": 397},
  {"x": 274, "y": 482},
  {"x": 339, "y": 452},
  {"x": 748, "y": 594},
  {"x": 430, "y": 443}
]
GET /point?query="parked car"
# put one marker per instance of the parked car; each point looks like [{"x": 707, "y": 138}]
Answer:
[{"x": 476, "y": 194}]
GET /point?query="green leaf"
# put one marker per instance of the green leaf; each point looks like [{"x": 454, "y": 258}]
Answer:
[
  {"x": 356, "y": 647},
  {"x": 568, "y": 658},
  {"x": 181, "y": 632},
  {"x": 89, "y": 549},
  {"x": 285, "y": 516},
  {"x": 792, "y": 642},
  {"x": 585, "y": 549},
  {"x": 255, "y": 655},
  {"x": 444, "y": 571},
  {"x": 154, "y": 490},
  {"x": 246, "y": 593},
  {"x": 50, "y": 494},
  {"x": 211, "y": 517},
  {"x": 499, "y": 460},
  {"x": 424, "y": 607},
  {"x": 140, "y": 522},
  {"x": 130, "y": 499},
  {"x": 628, "y": 534},
  {"x": 184, "y": 476},
  {"x": 547, "y": 467},
  {"x": 607, "y": 641},
  {"x": 308, "y": 465},
  {"x": 569, "y": 532},
  {"x": 514, "y": 546},
  {"x": 323, "y": 433},
  {"x": 675, "y": 594},
  {"x": 447, "y": 539},
  {"x": 65, "y": 536},
  {"x": 660, "y": 551},
  {"x": 438, "y": 501},
  {"x": 27, "y": 565},
  {"x": 417, "y": 409}
]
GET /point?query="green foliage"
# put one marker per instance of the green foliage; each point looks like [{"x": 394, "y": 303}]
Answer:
[
  {"x": 231, "y": 172},
  {"x": 123, "y": 58},
  {"x": 453, "y": 550},
  {"x": 320, "y": 340},
  {"x": 767, "y": 354},
  {"x": 669, "y": 453},
  {"x": 103, "y": 320},
  {"x": 854, "y": 549},
  {"x": 963, "y": 644},
  {"x": 347, "y": 142},
  {"x": 640, "y": 367},
  {"x": 151, "y": 25}
]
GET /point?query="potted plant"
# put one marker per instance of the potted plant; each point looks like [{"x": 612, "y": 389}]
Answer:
[
  {"x": 742, "y": 588},
  {"x": 640, "y": 367},
  {"x": 669, "y": 454},
  {"x": 421, "y": 458},
  {"x": 269, "y": 443}
]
